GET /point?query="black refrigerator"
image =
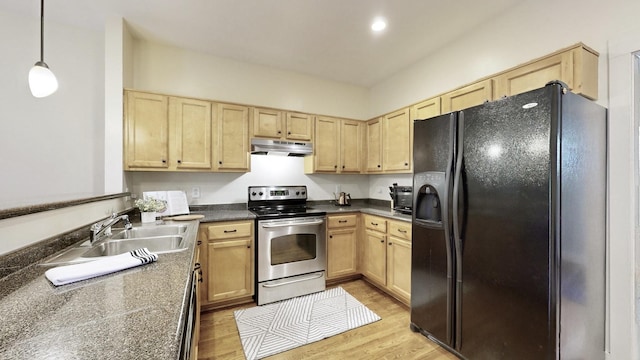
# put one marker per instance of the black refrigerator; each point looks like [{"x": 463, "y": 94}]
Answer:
[{"x": 509, "y": 221}]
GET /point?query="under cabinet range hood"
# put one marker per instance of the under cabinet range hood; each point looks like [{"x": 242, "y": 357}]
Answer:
[{"x": 280, "y": 147}]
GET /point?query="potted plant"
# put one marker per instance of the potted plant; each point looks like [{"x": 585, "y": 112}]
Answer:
[{"x": 149, "y": 206}]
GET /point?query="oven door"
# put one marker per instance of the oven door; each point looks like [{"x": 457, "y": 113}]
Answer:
[{"x": 289, "y": 247}]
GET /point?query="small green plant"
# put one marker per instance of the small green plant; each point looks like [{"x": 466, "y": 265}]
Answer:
[{"x": 151, "y": 204}]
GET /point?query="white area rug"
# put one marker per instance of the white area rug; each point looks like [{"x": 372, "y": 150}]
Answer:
[{"x": 273, "y": 328}]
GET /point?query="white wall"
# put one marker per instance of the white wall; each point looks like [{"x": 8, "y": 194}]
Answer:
[
  {"x": 219, "y": 188},
  {"x": 530, "y": 30},
  {"x": 52, "y": 148},
  {"x": 181, "y": 72}
]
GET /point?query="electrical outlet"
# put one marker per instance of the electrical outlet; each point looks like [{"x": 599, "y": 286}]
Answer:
[{"x": 195, "y": 192}]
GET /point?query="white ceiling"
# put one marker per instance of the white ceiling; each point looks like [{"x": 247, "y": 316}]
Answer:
[{"x": 325, "y": 38}]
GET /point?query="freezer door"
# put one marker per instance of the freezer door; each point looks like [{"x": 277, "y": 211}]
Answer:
[
  {"x": 432, "y": 273},
  {"x": 503, "y": 224}
]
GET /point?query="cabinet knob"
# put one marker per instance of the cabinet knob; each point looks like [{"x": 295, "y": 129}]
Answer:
[
  {"x": 406, "y": 164},
  {"x": 179, "y": 161},
  {"x": 343, "y": 166},
  {"x": 390, "y": 243},
  {"x": 288, "y": 132},
  {"x": 248, "y": 246},
  {"x": 382, "y": 240},
  {"x": 379, "y": 166},
  {"x": 200, "y": 280},
  {"x": 330, "y": 236},
  {"x": 199, "y": 242},
  {"x": 279, "y": 132},
  {"x": 335, "y": 166},
  {"x": 164, "y": 161},
  {"x": 220, "y": 162}
]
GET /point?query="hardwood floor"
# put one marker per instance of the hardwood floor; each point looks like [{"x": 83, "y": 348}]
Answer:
[{"x": 389, "y": 338}]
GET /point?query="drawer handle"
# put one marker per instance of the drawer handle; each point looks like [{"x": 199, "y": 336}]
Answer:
[
  {"x": 402, "y": 231},
  {"x": 390, "y": 243},
  {"x": 342, "y": 221},
  {"x": 230, "y": 231},
  {"x": 374, "y": 224}
]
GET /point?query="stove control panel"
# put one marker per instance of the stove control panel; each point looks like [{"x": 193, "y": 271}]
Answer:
[{"x": 269, "y": 193}]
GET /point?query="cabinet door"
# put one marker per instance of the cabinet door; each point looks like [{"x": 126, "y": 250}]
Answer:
[
  {"x": 399, "y": 267},
  {"x": 468, "y": 96},
  {"x": 326, "y": 144},
  {"x": 232, "y": 137},
  {"x": 299, "y": 126},
  {"x": 535, "y": 75},
  {"x": 375, "y": 256},
  {"x": 374, "y": 145},
  {"x": 146, "y": 131},
  {"x": 230, "y": 269},
  {"x": 341, "y": 252},
  {"x": 397, "y": 141},
  {"x": 426, "y": 109},
  {"x": 191, "y": 121},
  {"x": 267, "y": 123},
  {"x": 350, "y": 146}
]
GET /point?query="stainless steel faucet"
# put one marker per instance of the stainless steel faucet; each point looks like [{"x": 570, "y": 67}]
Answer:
[{"x": 103, "y": 228}]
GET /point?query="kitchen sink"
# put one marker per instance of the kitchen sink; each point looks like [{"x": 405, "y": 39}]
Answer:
[
  {"x": 158, "y": 239},
  {"x": 158, "y": 245},
  {"x": 151, "y": 231}
]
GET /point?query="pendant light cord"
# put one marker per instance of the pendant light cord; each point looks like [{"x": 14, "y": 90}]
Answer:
[{"x": 41, "y": 30}]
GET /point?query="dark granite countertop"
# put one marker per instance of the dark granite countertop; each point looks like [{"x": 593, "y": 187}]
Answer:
[
  {"x": 136, "y": 313},
  {"x": 232, "y": 212},
  {"x": 132, "y": 314}
]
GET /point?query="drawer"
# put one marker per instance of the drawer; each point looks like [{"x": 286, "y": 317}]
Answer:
[
  {"x": 400, "y": 229},
  {"x": 375, "y": 223},
  {"x": 230, "y": 230},
  {"x": 342, "y": 221}
]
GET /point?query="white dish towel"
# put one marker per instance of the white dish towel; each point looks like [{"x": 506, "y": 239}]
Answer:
[{"x": 62, "y": 275}]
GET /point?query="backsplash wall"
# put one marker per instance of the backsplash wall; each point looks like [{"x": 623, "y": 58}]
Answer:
[{"x": 227, "y": 188}]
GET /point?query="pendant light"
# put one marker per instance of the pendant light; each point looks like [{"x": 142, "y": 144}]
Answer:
[{"x": 42, "y": 82}]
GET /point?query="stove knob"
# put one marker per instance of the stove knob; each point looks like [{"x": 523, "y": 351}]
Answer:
[
  {"x": 297, "y": 192},
  {"x": 304, "y": 192},
  {"x": 260, "y": 193}
]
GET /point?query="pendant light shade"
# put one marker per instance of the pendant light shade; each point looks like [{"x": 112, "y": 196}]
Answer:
[{"x": 42, "y": 81}]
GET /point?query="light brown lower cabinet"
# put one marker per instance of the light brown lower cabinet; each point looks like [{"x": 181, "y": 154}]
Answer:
[
  {"x": 342, "y": 238},
  {"x": 387, "y": 255},
  {"x": 227, "y": 262}
]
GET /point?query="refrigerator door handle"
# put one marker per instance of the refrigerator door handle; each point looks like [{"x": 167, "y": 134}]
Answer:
[
  {"x": 457, "y": 240},
  {"x": 447, "y": 226}
]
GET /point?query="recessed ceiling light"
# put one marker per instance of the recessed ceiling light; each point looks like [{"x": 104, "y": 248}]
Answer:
[{"x": 378, "y": 25}]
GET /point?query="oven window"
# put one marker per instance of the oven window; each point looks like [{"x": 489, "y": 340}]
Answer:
[{"x": 292, "y": 248}]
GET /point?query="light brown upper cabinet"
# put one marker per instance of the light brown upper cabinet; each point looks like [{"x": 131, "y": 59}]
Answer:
[
  {"x": 426, "y": 109},
  {"x": 468, "y": 96},
  {"x": 374, "y": 146},
  {"x": 397, "y": 141},
  {"x": 277, "y": 124},
  {"x": 299, "y": 126},
  {"x": 577, "y": 67},
  {"x": 166, "y": 133},
  {"x": 337, "y": 146},
  {"x": 191, "y": 120},
  {"x": 146, "y": 131},
  {"x": 351, "y": 145},
  {"x": 231, "y": 128}
]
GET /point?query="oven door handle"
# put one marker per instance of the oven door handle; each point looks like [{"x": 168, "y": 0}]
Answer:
[
  {"x": 297, "y": 279},
  {"x": 292, "y": 223}
]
